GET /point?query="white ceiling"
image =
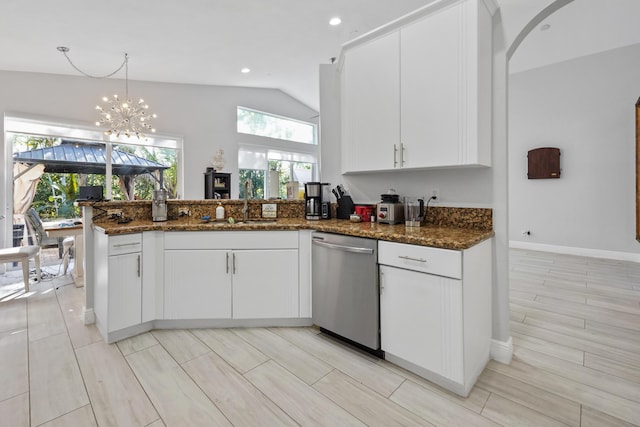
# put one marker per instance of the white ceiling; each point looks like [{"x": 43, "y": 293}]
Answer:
[
  {"x": 582, "y": 27},
  {"x": 191, "y": 41},
  {"x": 281, "y": 41}
]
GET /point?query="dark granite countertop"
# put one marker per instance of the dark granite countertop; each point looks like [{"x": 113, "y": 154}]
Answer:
[{"x": 427, "y": 235}]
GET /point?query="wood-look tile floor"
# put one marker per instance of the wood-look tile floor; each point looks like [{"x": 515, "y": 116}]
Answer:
[{"x": 576, "y": 333}]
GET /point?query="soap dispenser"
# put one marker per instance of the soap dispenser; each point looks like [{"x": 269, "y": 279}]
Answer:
[{"x": 220, "y": 212}]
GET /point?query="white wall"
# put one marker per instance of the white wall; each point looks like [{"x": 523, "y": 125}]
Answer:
[
  {"x": 205, "y": 116},
  {"x": 585, "y": 107}
]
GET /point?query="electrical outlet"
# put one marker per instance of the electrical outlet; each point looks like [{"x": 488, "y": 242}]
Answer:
[
  {"x": 435, "y": 193},
  {"x": 184, "y": 211},
  {"x": 525, "y": 233},
  {"x": 114, "y": 213}
]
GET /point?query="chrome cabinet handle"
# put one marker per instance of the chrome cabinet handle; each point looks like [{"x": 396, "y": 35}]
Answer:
[
  {"x": 408, "y": 258},
  {"x": 395, "y": 156},
  {"x": 234, "y": 263},
  {"x": 138, "y": 265},
  {"x": 122, "y": 245},
  {"x": 227, "y": 262},
  {"x": 352, "y": 249},
  {"x": 401, "y": 154}
]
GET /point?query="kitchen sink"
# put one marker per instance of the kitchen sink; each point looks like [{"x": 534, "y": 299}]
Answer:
[{"x": 257, "y": 221}]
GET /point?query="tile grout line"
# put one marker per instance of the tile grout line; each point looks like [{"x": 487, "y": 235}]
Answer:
[
  {"x": 238, "y": 372},
  {"x": 26, "y": 316},
  {"x": 138, "y": 379},
  {"x": 75, "y": 356}
]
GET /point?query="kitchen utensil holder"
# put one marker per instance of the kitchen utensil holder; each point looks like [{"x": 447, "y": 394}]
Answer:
[{"x": 345, "y": 207}]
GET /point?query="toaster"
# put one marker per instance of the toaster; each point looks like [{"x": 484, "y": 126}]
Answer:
[{"x": 390, "y": 213}]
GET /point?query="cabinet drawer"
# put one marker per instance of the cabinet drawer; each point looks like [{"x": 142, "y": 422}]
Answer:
[
  {"x": 125, "y": 244},
  {"x": 442, "y": 262}
]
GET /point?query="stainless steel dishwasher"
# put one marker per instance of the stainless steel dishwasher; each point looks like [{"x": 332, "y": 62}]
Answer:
[{"x": 346, "y": 298}]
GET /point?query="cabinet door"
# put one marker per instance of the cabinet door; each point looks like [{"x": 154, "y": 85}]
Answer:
[
  {"x": 432, "y": 77},
  {"x": 371, "y": 105},
  {"x": 421, "y": 320},
  {"x": 265, "y": 284},
  {"x": 197, "y": 284},
  {"x": 125, "y": 291}
]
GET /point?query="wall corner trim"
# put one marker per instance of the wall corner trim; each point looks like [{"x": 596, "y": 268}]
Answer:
[{"x": 502, "y": 351}]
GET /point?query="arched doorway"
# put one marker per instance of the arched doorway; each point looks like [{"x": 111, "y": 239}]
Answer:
[{"x": 572, "y": 85}]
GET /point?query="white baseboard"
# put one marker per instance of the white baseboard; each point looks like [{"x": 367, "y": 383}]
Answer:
[
  {"x": 502, "y": 351},
  {"x": 568, "y": 250}
]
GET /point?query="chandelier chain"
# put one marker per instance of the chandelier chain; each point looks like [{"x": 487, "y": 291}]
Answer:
[
  {"x": 126, "y": 76},
  {"x": 126, "y": 60},
  {"x": 120, "y": 116}
]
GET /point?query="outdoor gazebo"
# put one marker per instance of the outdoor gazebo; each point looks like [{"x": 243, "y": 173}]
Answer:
[
  {"x": 79, "y": 157},
  {"x": 73, "y": 156}
]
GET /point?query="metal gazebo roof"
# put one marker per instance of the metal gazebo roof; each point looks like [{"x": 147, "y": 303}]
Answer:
[{"x": 85, "y": 157}]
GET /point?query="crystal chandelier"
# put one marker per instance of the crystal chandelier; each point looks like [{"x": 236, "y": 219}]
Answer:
[{"x": 120, "y": 116}]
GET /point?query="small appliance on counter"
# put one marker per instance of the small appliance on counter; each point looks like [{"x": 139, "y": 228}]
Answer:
[
  {"x": 312, "y": 199},
  {"x": 390, "y": 209},
  {"x": 345, "y": 203},
  {"x": 325, "y": 204},
  {"x": 159, "y": 205},
  {"x": 317, "y": 200},
  {"x": 413, "y": 211},
  {"x": 366, "y": 212}
]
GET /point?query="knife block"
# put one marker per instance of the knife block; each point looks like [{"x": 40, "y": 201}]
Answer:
[{"x": 345, "y": 207}]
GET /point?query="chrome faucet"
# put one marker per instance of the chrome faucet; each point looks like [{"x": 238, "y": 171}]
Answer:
[{"x": 245, "y": 210}]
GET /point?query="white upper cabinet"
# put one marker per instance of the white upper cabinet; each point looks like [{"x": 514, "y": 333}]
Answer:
[
  {"x": 431, "y": 90},
  {"x": 371, "y": 104},
  {"x": 418, "y": 95}
]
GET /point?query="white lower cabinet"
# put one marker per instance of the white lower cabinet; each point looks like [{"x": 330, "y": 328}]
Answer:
[
  {"x": 265, "y": 284},
  {"x": 236, "y": 275},
  {"x": 435, "y": 311},
  {"x": 421, "y": 320},
  {"x": 125, "y": 291},
  {"x": 118, "y": 282},
  {"x": 197, "y": 284},
  {"x": 227, "y": 278}
]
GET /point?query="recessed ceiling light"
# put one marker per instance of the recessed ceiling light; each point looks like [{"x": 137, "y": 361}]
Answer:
[
  {"x": 245, "y": 70},
  {"x": 335, "y": 21},
  {"x": 545, "y": 27}
]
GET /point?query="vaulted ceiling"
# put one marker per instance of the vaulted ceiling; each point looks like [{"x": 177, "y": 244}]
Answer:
[{"x": 282, "y": 41}]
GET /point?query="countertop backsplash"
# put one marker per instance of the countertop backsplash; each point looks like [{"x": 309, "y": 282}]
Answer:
[{"x": 442, "y": 216}]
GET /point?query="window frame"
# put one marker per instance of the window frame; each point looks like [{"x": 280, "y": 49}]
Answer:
[
  {"x": 314, "y": 126},
  {"x": 266, "y": 145}
]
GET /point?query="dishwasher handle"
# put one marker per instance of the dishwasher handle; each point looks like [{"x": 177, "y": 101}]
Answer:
[{"x": 352, "y": 249}]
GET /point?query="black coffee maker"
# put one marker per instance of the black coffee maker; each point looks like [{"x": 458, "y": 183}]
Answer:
[
  {"x": 325, "y": 204},
  {"x": 313, "y": 200}
]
